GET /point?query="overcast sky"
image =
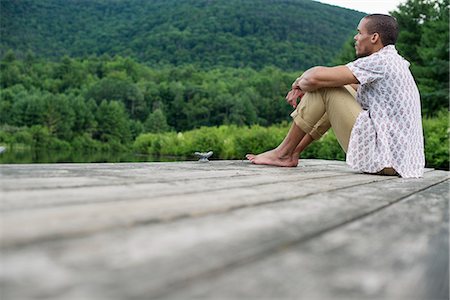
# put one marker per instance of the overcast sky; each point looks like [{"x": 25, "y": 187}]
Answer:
[{"x": 369, "y": 7}]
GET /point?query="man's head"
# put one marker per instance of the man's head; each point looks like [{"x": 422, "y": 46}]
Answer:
[{"x": 374, "y": 32}]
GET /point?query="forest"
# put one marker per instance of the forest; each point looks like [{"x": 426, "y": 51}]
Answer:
[
  {"x": 117, "y": 102},
  {"x": 290, "y": 34}
]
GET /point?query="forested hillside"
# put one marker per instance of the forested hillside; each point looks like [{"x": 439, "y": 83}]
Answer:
[
  {"x": 176, "y": 76},
  {"x": 287, "y": 34}
]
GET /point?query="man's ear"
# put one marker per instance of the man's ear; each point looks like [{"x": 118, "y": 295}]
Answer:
[{"x": 375, "y": 38}]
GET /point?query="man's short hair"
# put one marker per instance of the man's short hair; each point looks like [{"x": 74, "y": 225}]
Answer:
[{"x": 386, "y": 26}]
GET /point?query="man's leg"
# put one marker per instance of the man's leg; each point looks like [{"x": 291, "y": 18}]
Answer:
[
  {"x": 305, "y": 142},
  {"x": 286, "y": 154},
  {"x": 283, "y": 155},
  {"x": 342, "y": 110},
  {"x": 318, "y": 131},
  {"x": 312, "y": 122}
]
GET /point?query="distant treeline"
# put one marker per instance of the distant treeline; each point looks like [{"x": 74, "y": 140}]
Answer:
[{"x": 116, "y": 99}]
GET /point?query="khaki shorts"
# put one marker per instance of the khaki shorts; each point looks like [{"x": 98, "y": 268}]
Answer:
[
  {"x": 331, "y": 107},
  {"x": 328, "y": 107}
]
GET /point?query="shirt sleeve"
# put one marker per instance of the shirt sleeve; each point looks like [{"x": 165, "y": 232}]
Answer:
[{"x": 367, "y": 69}]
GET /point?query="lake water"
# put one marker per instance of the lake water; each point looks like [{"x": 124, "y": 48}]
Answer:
[{"x": 27, "y": 157}]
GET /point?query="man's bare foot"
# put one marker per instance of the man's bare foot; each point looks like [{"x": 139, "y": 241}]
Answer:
[{"x": 273, "y": 158}]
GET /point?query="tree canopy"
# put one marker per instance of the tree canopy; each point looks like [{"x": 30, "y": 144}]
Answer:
[
  {"x": 117, "y": 96},
  {"x": 290, "y": 35}
]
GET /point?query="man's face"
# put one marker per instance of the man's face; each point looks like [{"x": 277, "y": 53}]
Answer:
[{"x": 363, "y": 45}]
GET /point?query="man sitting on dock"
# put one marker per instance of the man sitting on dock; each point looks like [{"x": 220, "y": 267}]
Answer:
[{"x": 372, "y": 103}]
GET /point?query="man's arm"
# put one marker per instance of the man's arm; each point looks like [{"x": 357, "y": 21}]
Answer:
[{"x": 319, "y": 77}]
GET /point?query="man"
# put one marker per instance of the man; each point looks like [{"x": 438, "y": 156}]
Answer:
[{"x": 379, "y": 126}]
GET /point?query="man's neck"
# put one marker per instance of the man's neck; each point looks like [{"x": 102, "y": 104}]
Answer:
[{"x": 377, "y": 48}]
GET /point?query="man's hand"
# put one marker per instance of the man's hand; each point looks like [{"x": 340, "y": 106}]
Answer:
[
  {"x": 292, "y": 96},
  {"x": 296, "y": 85}
]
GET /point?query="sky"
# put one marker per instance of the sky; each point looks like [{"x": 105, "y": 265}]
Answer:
[{"x": 370, "y": 6}]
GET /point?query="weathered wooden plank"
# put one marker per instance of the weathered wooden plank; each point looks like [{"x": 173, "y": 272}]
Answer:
[
  {"x": 139, "y": 207},
  {"x": 71, "y": 184},
  {"x": 38, "y": 198},
  {"x": 397, "y": 253},
  {"x": 31, "y": 177},
  {"x": 153, "y": 260}
]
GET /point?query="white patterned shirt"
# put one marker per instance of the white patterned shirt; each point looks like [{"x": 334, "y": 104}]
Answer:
[{"x": 388, "y": 132}]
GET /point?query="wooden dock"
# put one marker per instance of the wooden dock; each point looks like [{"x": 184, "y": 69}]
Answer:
[{"x": 221, "y": 230}]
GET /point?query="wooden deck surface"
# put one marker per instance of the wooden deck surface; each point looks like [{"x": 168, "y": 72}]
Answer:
[{"x": 221, "y": 230}]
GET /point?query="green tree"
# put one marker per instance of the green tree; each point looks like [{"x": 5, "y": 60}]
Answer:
[
  {"x": 434, "y": 53},
  {"x": 9, "y": 70},
  {"x": 28, "y": 109},
  {"x": 156, "y": 122},
  {"x": 424, "y": 40},
  {"x": 347, "y": 53},
  {"x": 7, "y": 99},
  {"x": 112, "y": 122},
  {"x": 58, "y": 116},
  {"x": 411, "y": 17},
  {"x": 242, "y": 112},
  {"x": 84, "y": 121},
  {"x": 122, "y": 90},
  {"x": 70, "y": 74}
]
